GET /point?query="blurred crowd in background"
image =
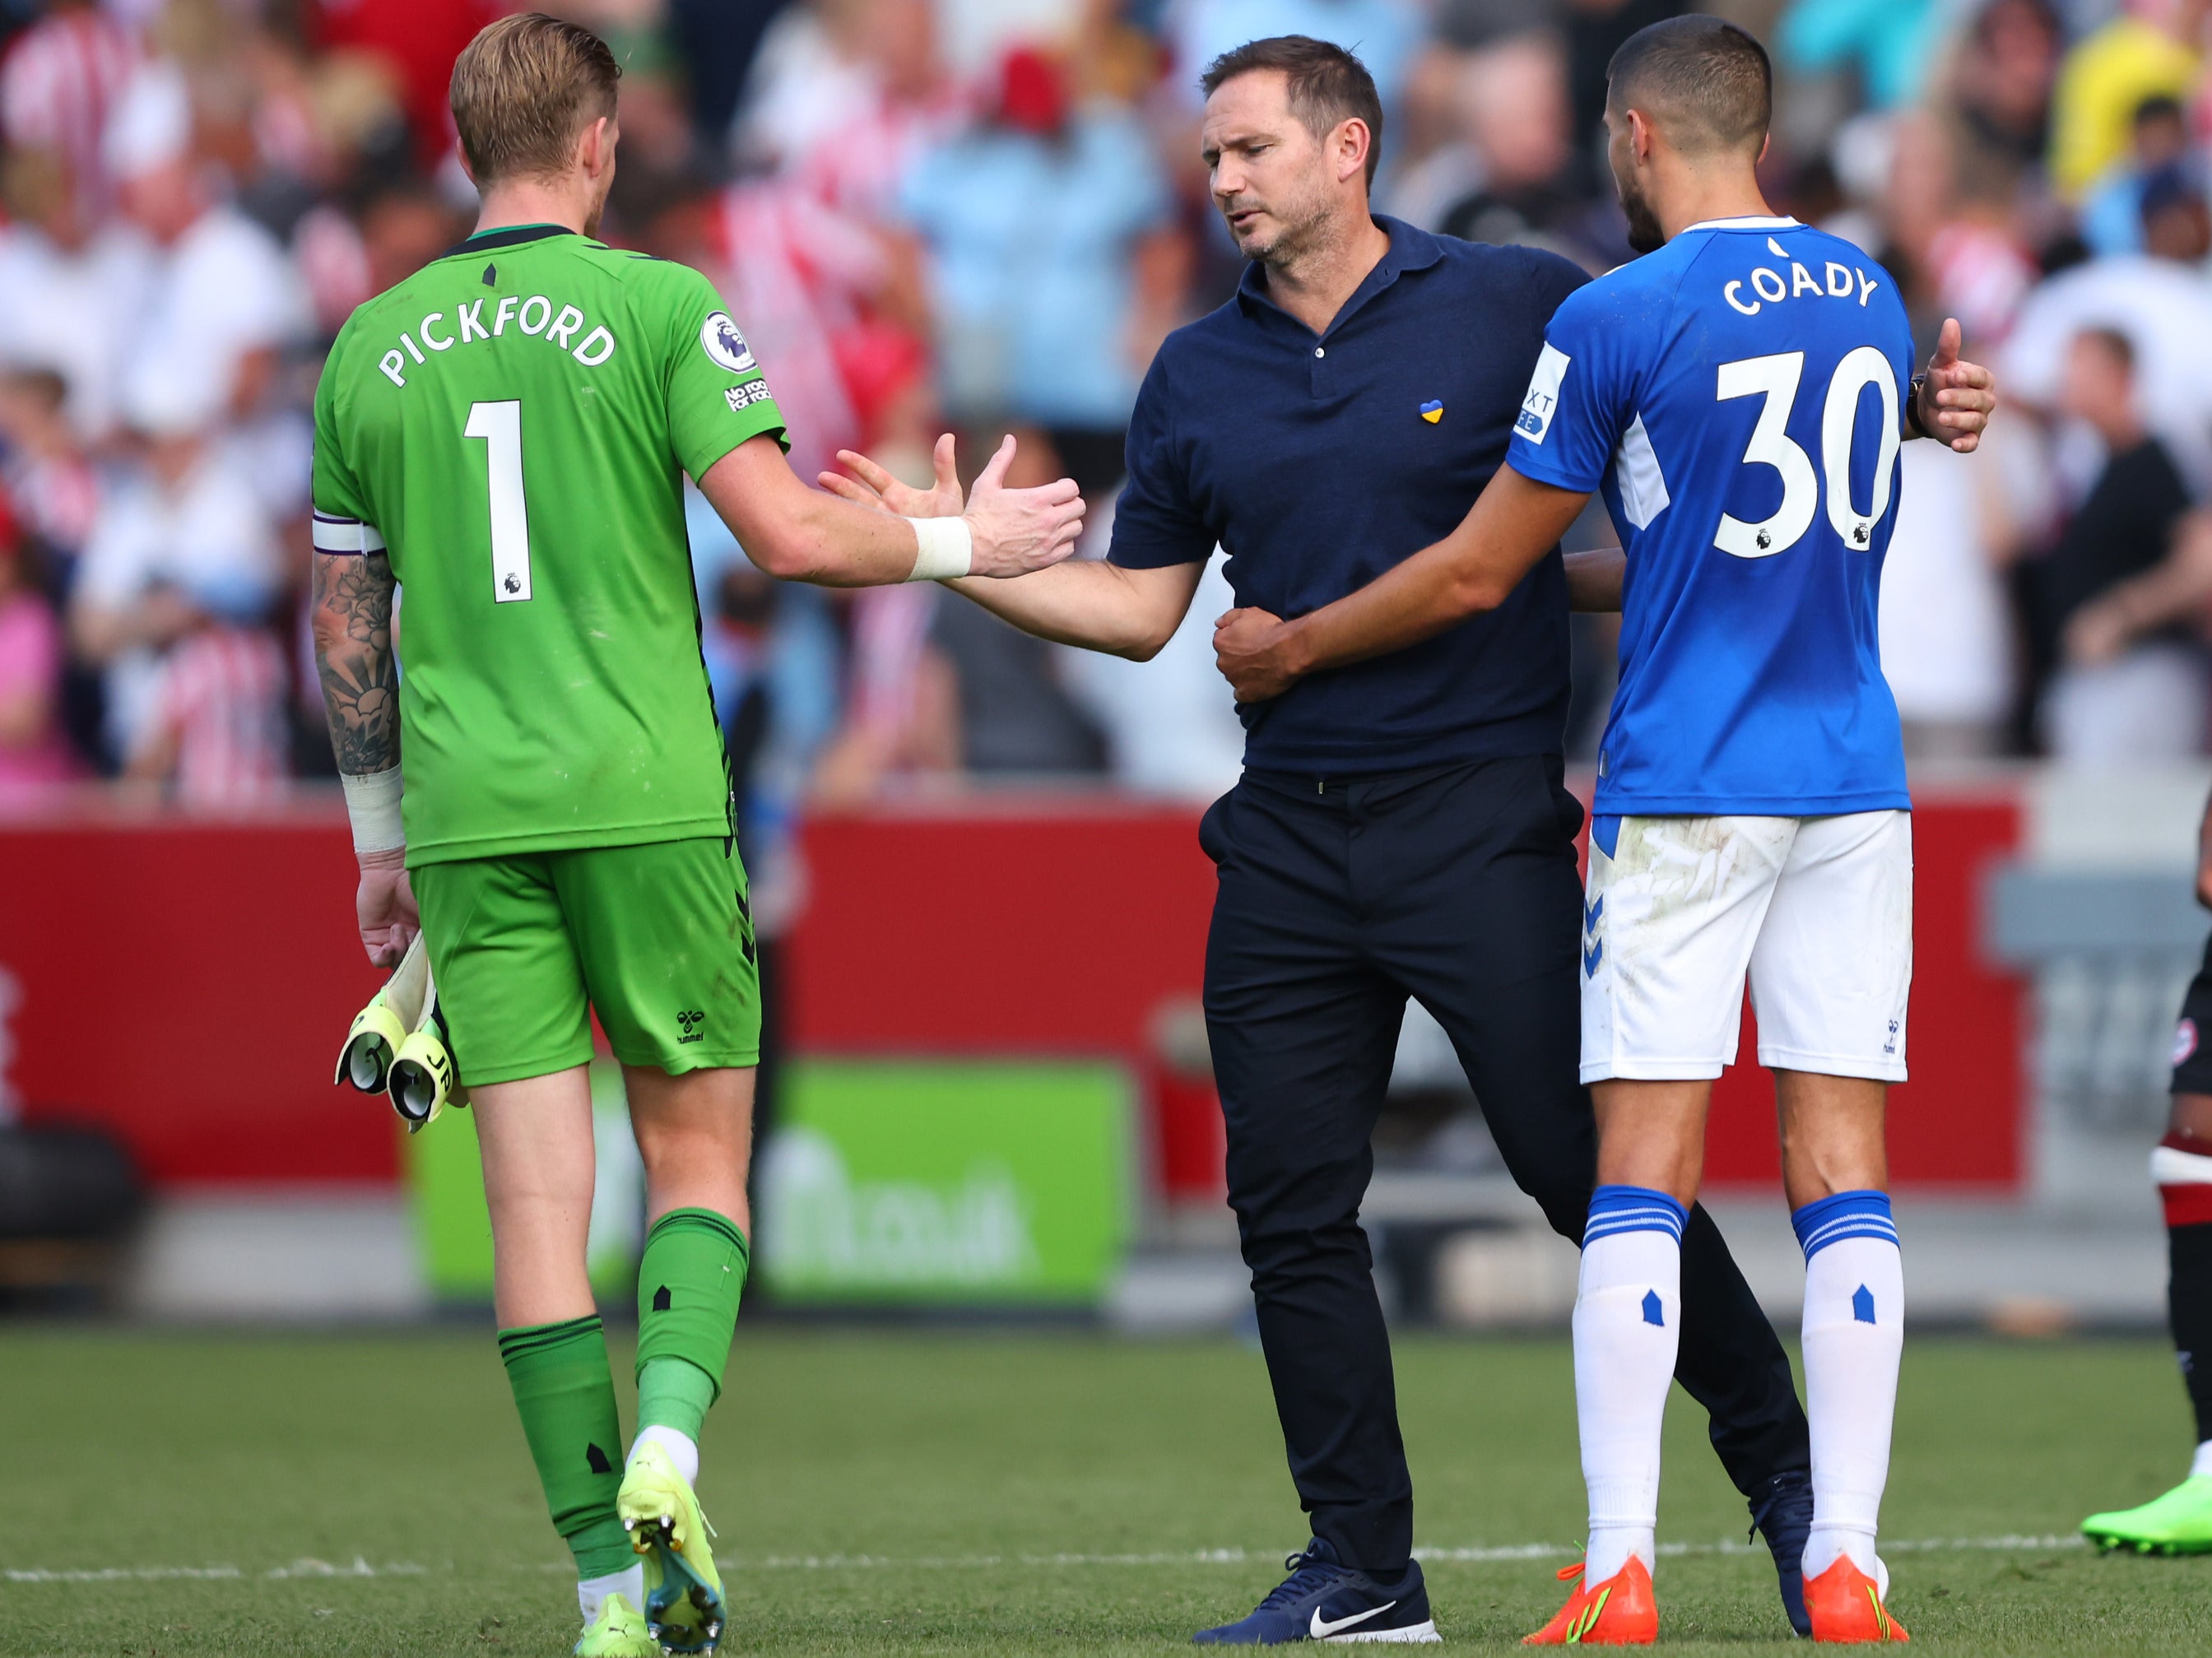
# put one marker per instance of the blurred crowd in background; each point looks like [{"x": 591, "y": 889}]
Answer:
[{"x": 984, "y": 215}]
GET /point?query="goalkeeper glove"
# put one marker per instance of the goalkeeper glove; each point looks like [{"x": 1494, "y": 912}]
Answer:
[
  {"x": 397, "y": 1046},
  {"x": 380, "y": 1029}
]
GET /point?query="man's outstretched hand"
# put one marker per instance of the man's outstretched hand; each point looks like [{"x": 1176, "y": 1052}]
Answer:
[
  {"x": 384, "y": 903},
  {"x": 1013, "y": 531},
  {"x": 1251, "y": 646},
  {"x": 877, "y": 488},
  {"x": 1958, "y": 398},
  {"x": 1018, "y": 531}
]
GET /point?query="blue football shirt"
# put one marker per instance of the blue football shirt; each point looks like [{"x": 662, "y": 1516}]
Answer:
[{"x": 1736, "y": 396}]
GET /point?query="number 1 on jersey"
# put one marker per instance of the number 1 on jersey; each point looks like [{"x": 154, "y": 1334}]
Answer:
[{"x": 500, "y": 425}]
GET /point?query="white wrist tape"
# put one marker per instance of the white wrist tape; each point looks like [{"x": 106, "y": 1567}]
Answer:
[
  {"x": 947, "y": 548},
  {"x": 373, "y": 803}
]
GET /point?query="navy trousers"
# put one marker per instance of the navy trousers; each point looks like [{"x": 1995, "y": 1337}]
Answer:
[{"x": 1337, "y": 901}]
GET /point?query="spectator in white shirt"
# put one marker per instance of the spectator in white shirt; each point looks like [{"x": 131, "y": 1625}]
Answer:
[
  {"x": 69, "y": 293},
  {"x": 1946, "y": 624},
  {"x": 223, "y": 297},
  {"x": 2159, "y": 299},
  {"x": 182, "y": 536}
]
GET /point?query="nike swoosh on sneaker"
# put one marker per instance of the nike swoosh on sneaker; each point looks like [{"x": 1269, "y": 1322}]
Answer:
[{"x": 1321, "y": 1629}]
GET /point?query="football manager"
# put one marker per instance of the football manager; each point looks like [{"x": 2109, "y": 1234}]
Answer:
[{"x": 1401, "y": 828}]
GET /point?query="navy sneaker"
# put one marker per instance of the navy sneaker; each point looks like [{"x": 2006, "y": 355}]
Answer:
[
  {"x": 1782, "y": 1515},
  {"x": 1323, "y": 1600}
]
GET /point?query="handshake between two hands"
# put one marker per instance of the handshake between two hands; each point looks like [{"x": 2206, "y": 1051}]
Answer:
[
  {"x": 1013, "y": 531},
  {"x": 1018, "y": 530}
]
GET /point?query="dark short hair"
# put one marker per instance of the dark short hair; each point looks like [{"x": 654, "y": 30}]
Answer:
[
  {"x": 2158, "y": 106},
  {"x": 1327, "y": 85},
  {"x": 2115, "y": 344},
  {"x": 1707, "y": 81}
]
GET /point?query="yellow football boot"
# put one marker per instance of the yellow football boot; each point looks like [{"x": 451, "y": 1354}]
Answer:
[
  {"x": 683, "y": 1590},
  {"x": 619, "y": 1632}
]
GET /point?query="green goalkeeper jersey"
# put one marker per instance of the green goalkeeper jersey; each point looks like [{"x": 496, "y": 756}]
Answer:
[{"x": 511, "y": 425}]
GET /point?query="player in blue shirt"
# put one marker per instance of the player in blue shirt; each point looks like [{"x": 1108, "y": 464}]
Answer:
[
  {"x": 1738, "y": 396},
  {"x": 1767, "y": 363}
]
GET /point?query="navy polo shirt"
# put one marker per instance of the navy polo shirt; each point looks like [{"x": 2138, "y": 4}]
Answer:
[{"x": 1319, "y": 461}]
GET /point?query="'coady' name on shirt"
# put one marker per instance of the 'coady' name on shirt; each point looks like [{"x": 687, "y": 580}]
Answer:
[
  {"x": 1770, "y": 286},
  {"x": 534, "y": 316}
]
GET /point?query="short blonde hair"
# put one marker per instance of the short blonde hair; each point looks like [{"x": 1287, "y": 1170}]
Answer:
[{"x": 523, "y": 90}]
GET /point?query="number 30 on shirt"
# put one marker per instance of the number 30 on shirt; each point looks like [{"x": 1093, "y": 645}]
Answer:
[{"x": 1775, "y": 379}]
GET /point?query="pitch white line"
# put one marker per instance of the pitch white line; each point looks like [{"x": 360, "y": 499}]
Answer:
[
  {"x": 357, "y": 1567},
  {"x": 1477, "y": 1555},
  {"x": 115, "y": 1574},
  {"x": 1500, "y": 1554}
]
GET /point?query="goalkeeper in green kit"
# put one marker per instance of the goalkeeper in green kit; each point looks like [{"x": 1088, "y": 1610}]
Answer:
[{"x": 502, "y": 438}]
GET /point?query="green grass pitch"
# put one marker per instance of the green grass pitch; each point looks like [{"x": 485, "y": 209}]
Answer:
[{"x": 993, "y": 1493}]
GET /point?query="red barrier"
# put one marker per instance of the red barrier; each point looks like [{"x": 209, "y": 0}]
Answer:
[
  {"x": 1961, "y": 1119},
  {"x": 1024, "y": 926},
  {"x": 1029, "y": 925},
  {"x": 186, "y": 983},
  {"x": 1076, "y": 927}
]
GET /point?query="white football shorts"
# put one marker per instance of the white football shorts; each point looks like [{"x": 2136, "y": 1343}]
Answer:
[{"x": 1818, "y": 910}]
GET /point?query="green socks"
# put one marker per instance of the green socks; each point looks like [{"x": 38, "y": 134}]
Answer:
[
  {"x": 673, "y": 1393},
  {"x": 565, "y": 1392},
  {"x": 689, "y": 1282},
  {"x": 688, "y": 1285}
]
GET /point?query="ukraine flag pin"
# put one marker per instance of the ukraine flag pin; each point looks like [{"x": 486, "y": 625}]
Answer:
[{"x": 1432, "y": 410}]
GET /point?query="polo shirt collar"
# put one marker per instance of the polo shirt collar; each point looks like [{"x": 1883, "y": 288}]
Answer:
[{"x": 1411, "y": 248}]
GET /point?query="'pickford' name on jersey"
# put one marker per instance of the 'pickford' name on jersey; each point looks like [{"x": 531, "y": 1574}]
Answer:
[
  {"x": 534, "y": 318},
  {"x": 512, "y": 425}
]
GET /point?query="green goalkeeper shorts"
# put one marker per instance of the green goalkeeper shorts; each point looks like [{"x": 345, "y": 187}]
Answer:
[{"x": 657, "y": 939}]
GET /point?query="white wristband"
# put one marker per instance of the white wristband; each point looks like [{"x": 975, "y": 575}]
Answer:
[
  {"x": 373, "y": 803},
  {"x": 947, "y": 548}
]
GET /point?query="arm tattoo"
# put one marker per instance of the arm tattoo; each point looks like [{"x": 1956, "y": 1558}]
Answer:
[{"x": 353, "y": 653}]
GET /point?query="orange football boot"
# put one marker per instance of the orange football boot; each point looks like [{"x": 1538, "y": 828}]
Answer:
[
  {"x": 1621, "y": 1612},
  {"x": 1845, "y": 1605}
]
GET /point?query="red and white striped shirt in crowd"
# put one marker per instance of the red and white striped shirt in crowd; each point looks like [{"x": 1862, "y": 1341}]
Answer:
[
  {"x": 857, "y": 167},
  {"x": 59, "y": 83},
  {"x": 1980, "y": 274},
  {"x": 795, "y": 271},
  {"x": 890, "y": 629},
  {"x": 221, "y": 699}
]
